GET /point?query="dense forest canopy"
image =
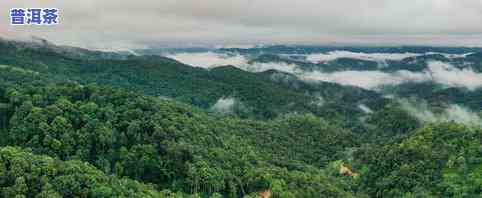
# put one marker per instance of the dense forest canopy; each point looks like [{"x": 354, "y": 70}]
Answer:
[{"x": 80, "y": 123}]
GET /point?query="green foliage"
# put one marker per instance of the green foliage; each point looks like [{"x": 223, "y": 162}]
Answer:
[
  {"x": 99, "y": 140},
  {"x": 23, "y": 174},
  {"x": 265, "y": 95},
  {"x": 438, "y": 160},
  {"x": 174, "y": 146},
  {"x": 390, "y": 122}
]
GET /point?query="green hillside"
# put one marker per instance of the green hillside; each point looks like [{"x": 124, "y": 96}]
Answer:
[
  {"x": 88, "y": 124},
  {"x": 171, "y": 145},
  {"x": 261, "y": 93}
]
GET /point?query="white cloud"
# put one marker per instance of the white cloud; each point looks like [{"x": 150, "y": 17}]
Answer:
[
  {"x": 420, "y": 110},
  {"x": 366, "y": 79},
  {"x": 453, "y": 112},
  {"x": 446, "y": 74},
  {"x": 451, "y": 56},
  {"x": 333, "y": 55},
  {"x": 463, "y": 115},
  {"x": 224, "y": 105},
  {"x": 209, "y": 59},
  {"x": 212, "y": 59},
  {"x": 439, "y": 72},
  {"x": 320, "y": 101},
  {"x": 260, "y": 67},
  {"x": 377, "y": 57},
  {"x": 365, "y": 108}
]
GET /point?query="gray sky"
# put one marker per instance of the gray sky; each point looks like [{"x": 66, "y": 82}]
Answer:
[{"x": 124, "y": 24}]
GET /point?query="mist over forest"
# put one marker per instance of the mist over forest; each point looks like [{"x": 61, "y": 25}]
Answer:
[{"x": 260, "y": 121}]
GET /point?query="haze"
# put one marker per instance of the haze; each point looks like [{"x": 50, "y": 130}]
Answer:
[{"x": 128, "y": 24}]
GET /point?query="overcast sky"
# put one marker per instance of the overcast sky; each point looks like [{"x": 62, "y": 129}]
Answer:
[{"x": 127, "y": 24}]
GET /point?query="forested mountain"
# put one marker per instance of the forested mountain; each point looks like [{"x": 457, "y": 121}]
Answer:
[
  {"x": 80, "y": 123},
  {"x": 365, "y": 59},
  {"x": 27, "y": 175},
  {"x": 168, "y": 144},
  {"x": 266, "y": 95},
  {"x": 308, "y": 49}
]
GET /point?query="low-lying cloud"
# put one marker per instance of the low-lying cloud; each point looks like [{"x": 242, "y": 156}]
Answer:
[
  {"x": 455, "y": 113},
  {"x": 366, "y": 79},
  {"x": 333, "y": 55},
  {"x": 224, "y": 106},
  {"x": 377, "y": 57},
  {"x": 438, "y": 72},
  {"x": 261, "y": 67},
  {"x": 319, "y": 101},
  {"x": 209, "y": 59},
  {"x": 447, "y": 74},
  {"x": 365, "y": 108},
  {"x": 450, "y": 56}
]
